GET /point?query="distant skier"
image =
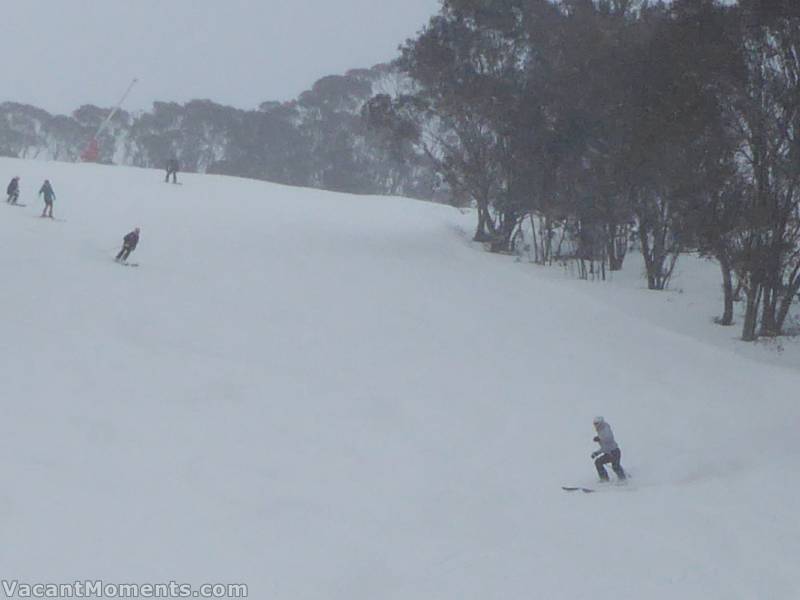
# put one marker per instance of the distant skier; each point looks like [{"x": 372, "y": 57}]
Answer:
[
  {"x": 13, "y": 190},
  {"x": 172, "y": 169},
  {"x": 609, "y": 450},
  {"x": 129, "y": 243},
  {"x": 49, "y": 195}
]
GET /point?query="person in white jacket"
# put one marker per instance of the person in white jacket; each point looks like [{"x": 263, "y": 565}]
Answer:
[{"x": 609, "y": 450}]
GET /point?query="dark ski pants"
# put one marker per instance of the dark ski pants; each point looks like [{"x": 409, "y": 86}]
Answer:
[
  {"x": 124, "y": 253},
  {"x": 48, "y": 209},
  {"x": 13, "y": 197},
  {"x": 613, "y": 458},
  {"x": 174, "y": 176}
]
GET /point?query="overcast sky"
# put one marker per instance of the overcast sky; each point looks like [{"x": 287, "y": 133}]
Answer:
[{"x": 59, "y": 54}]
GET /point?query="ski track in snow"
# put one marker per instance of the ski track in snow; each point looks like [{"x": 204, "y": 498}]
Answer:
[{"x": 336, "y": 397}]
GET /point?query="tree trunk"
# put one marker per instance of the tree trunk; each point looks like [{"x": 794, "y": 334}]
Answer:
[
  {"x": 648, "y": 258},
  {"x": 501, "y": 240},
  {"x": 616, "y": 247},
  {"x": 768, "y": 314},
  {"x": 547, "y": 242},
  {"x": 786, "y": 302},
  {"x": 782, "y": 313},
  {"x": 535, "y": 241},
  {"x": 483, "y": 230},
  {"x": 727, "y": 288},
  {"x": 753, "y": 299}
]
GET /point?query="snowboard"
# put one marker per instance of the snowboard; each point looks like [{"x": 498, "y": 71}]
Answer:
[
  {"x": 16, "y": 204},
  {"x": 585, "y": 490},
  {"x": 126, "y": 264}
]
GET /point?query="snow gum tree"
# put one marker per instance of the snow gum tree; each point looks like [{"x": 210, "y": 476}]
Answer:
[
  {"x": 765, "y": 114},
  {"x": 591, "y": 122}
]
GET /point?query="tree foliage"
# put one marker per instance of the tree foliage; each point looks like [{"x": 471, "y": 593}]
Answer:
[{"x": 594, "y": 124}]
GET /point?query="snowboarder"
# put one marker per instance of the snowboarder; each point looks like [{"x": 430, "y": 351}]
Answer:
[
  {"x": 172, "y": 169},
  {"x": 129, "y": 243},
  {"x": 609, "y": 450},
  {"x": 13, "y": 190},
  {"x": 49, "y": 196}
]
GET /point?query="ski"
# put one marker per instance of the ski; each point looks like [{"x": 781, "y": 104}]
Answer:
[
  {"x": 585, "y": 490},
  {"x": 602, "y": 487}
]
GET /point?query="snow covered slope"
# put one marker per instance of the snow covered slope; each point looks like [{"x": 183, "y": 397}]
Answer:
[{"x": 336, "y": 397}]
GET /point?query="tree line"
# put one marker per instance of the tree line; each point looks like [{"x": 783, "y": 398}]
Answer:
[
  {"x": 579, "y": 126},
  {"x": 316, "y": 140}
]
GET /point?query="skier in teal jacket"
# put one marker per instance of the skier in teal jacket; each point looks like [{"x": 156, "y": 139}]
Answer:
[{"x": 49, "y": 195}]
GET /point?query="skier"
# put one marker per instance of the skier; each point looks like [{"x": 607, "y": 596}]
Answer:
[
  {"x": 129, "y": 243},
  {"x": 13, "y": 190},
  {"x": 172, "y": 169},
  {"x": 609, "y": 450},
  {"x": 49, "y": 196}
]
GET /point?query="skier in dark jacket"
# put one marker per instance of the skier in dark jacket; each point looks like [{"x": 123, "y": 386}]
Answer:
[
  {"x": 129, "y": 243},
  {"x": 13, "y": 190},
  {"x": 609, "y": 450},
  {"x": 49, "y": 196},
  {"x": 172, "y": 169}
]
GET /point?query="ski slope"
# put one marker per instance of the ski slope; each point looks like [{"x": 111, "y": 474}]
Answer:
[{"x": 335, "y": 397}]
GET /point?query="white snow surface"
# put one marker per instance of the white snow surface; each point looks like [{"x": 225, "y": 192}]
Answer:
[{"x": 335, "y": 397}]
